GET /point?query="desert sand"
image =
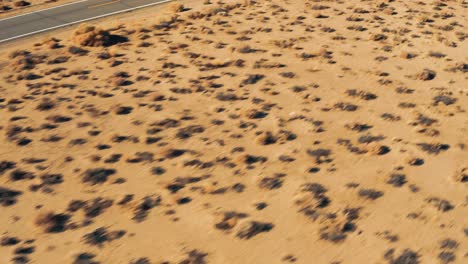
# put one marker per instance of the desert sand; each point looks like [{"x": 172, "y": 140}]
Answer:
[{"x": 258, "y": 132}]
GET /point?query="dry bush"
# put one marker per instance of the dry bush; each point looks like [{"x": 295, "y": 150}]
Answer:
[
  {"x": 17, "y": 53},
  {"x": 220, "y": 9},
  {"x": 461, "y": 175},
  {"x": 167, "y": 22},
  {"x": 24, "y": 60},
  {"x": 51, "y": 43},
  {"x": 196, "y": 15},
  {"x": 21, "y": 3},
  {"x": 91, "y": 36},
  {"x": 51, "y": 222},
  {"x": 176, "y": 7},
  {"x": 248, "y": 2}
]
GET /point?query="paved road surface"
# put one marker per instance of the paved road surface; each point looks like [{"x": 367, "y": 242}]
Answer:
[{"x": 68, "y": 14}]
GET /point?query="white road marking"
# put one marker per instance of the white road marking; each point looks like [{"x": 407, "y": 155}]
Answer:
[
  {"x": 6, "y": 18},
  {"x": 103, "y": 4},
  {"x": 83, "y": 20}
]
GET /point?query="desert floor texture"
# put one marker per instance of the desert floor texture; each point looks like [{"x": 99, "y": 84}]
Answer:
[{"x": 293, "y": 131}]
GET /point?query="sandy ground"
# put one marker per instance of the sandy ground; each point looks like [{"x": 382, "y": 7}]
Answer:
[{"x": 239, "y": 132}]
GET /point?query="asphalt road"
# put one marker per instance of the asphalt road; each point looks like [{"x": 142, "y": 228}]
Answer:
[{"x": 68, "y": 14}]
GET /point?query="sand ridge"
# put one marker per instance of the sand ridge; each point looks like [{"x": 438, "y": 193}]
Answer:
[{"x": 240, "y": 132}]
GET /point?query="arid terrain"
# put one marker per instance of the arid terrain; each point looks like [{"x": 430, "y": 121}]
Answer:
[{"x": 276, "y": 131}]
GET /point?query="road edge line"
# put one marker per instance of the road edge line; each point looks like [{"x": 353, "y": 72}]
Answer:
[
  {"x": 83, "y": 20},
  {"x": 45, "y": 9}
]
